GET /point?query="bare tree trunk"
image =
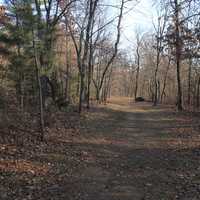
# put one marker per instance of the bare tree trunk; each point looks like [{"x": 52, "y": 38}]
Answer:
[
  {"x": 155, "y": 99},
  {"x": 137, "y": 74},
  {"x": 108, "y": 87},
  {"x": 179, "y": 98},
  {"x": 89, "y": 85},
  {"x": 90, "y": 69},
  {"x": 139, "y": 40},
  {"x": 159, "y": 50},
  {"x": 189, "y": 82},
  {"x": 78, "y": 85},
  {"x": 22, "y": 93},
  {"x": 151, "y": 91},
  {"x": 178, "y": 56},
  {"x": 67, "y": 90},
  {"x": 97, "y": 95},
  {"x": 42, "y": 127},
  {"x": 155, "y": 76},
  {"x": 115, "y": 46},
  {"x": 88, "y": 90},
  {"x": 198, "y": 93},
  {"x": 67, "y": 78},
  {"x": 81, "y": 91},
  {"x": 132, "y": 82},
  {"x": 103, "y": 93},
  {"x": 159, "y": 91},
  {"x": 21, "y": 75},
  {"x": 165, "y": 80},
  {"x": 41, "y": 103}
]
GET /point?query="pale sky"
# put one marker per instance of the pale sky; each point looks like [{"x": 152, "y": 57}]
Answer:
[{"x": 140, "y": 16}]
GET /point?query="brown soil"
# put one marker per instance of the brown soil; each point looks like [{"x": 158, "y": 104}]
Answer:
[{"x": 123, "y": 151}]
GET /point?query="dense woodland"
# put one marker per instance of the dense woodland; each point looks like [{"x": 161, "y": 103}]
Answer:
[
  {"x": 84, "y": 117},
  {"x": 62, "y": 53}
]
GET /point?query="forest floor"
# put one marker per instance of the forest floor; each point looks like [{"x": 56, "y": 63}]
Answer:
[{"x": 121, "y": 151}]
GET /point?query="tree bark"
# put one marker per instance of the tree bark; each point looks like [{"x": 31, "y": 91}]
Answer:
[
  {"x": 81, "y": 91},
  {"x": 165, "y": 81},
  {"x": 115, "y": 46},
  {"x": 41, "y": 103},
  {"x": 137, "y": 73},
  {"x": 198, "y": 93},
  {"x": 178, "y": 55},
  {"x": 189, "y": 82},
  {"x": 155, "y": 75}
]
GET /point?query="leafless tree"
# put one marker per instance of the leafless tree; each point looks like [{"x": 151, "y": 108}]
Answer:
[
  {"x": 139, "y": 38},
  {"x": 159, "y": 34}
]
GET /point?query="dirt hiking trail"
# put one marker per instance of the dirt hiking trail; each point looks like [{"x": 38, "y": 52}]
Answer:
[{"x": 125, "y": 151}]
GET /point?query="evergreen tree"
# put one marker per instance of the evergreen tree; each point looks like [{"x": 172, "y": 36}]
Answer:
[{"x": 16, "y": 39}]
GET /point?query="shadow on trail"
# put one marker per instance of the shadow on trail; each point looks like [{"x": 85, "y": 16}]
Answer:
[
  {"x": 134, "y": 155},
  {"x": 124, "y": 152}
]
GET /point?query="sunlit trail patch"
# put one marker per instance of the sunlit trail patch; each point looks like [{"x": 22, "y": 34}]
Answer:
[{"x": 23, "y": 166}]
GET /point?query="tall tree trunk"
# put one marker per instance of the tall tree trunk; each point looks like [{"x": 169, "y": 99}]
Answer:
[
  {"x": 198, "y": 93},
  {"x": 165, "y": 81},
  {"x": 67, "y": 70},
  {"x": 97, "y": 94},
  {"x": 108, "y": 85},
  {"x": 41, "y": 103},
  {"x": 155, "y": 76},
  {"x": 22, "y": 93},
  {"x": 189, "y": 82},
  {"x": 42, "y": 126},
  {"x": 90, "y": 65},
  {"x": 78, "y": 85},
  {"x": 81, "y": 91},
  {"x": 88, "y": 85},
  {"x": 179, "y": 98},
  {"x": 110, "y": 61},
  {"x": 159, "y": 95},
  {"x": 178, "y": 55},
  {"x": 67, "y": 91},
  {"x": 137, "y": 78}
]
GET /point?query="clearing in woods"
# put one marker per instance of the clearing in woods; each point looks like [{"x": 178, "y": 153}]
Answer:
[{"x": 125, "y": 151}]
